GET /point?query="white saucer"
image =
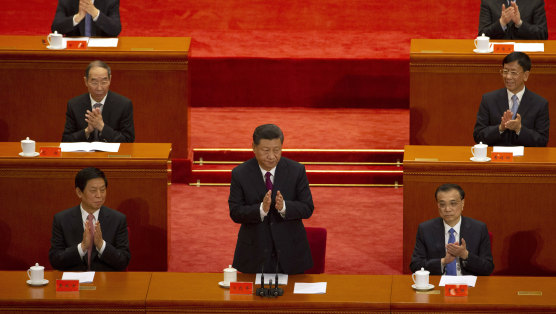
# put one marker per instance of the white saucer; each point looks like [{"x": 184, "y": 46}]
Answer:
[
  {"x": 35, "y": 154},
  {"x": 224, "y": 285},
  {"x": 53, "y": 48},
  {"x": 42, "y": 283},
  {"x": 429, "y": 287},
  {"x": 480, "y": 159},
  {"x": 491, "y": 49}
]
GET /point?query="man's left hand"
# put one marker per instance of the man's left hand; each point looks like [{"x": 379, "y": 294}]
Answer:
[
  {"x": 458, "y": 250},
  {"x": 89, "y": 7},
  {"x": 98, "y": 236},
  {"x": 94, "y": 118},
  {"x": 516, "y": 16},
  {"x": 514, "y": 125},
  {"x": 279, "y": 201}
]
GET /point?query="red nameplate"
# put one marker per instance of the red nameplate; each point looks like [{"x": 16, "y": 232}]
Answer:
[
  {"x": 241, "y": 288},
  {"x": 67, "y": 285},
  {"x": 502, "y": 157},
  {"x": 455, "y": 290},
  {"x": 50, "y": 151},
  {"x": 503, "y": 48},
  {"x": 77, "y": 45}
]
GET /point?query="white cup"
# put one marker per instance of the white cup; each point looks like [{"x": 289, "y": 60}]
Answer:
[
  {"x": 421, "y": 278},
  {"x": 479, "y": 151},
  {"x": 36, "y": 274},
  {"x": 230, "y": 275},
  {"x": 482, "y": 43},
  {"x": 55, "y": 40},
  {"x": 28, "y": 147}
]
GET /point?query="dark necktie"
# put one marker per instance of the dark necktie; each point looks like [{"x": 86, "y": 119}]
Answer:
[
  {"x": 95, "y": 132},
  {"x": 92, "y": 241},
  {"x": 267, "y": 180},
  {"x": 451, "y": 268},
  {"x": 88, "y": 24}
]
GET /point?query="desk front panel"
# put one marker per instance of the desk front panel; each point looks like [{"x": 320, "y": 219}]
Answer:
[
  {"x": 516, "y": 201},
  {"x": 122, "y": 292},
  {"x": 447, "y": 81},
  {"x": 200, "y": 293},
  {"x": 151, "y": 71},
  {"x": 494, "y": 294},
  {"x": 32, "y": 190}
]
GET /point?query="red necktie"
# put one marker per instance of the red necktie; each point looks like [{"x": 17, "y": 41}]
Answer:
[{"x": 92, "y": 241}]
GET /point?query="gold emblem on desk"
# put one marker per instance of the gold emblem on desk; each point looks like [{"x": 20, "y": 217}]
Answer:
[{"x": 529, "y": 293}]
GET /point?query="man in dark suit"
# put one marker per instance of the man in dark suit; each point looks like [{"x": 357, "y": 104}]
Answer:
[
  {"x": 100, "y": 115},
  {"x": 513, "y": 116},
  {"x": 101, "y": 18},
  {"x": 269, "y": 197},
  {"x": 89, "y": 236},
  {"x": 505, "y": 19},
  {"x": 437, "y": 248}
]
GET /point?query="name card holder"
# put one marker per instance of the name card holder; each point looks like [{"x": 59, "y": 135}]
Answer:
[
  {"x": 77, "y": 45},
  {"x": 241, "y": 288},
  {"x": 50, "y": 151},
  {"x": 501, "y": 157},
  {"x": 67, "y": 285},
  {"x": 455, "y": 290},
  {"x": 503, "y": 48}
]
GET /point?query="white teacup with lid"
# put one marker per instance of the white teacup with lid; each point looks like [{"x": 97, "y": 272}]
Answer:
[
  {"x": 36, "y": 274},
  {"x": 482, "y": 43},
  {"x": 421, "y": 279},
  {"x": 479, "y": 151},
  {"x": 28, "y": 147},
  {"x": 55, "y": 40},
  {"x": 230, "y": 275}
]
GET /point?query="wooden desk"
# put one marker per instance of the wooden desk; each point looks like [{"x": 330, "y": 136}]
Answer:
[
  {"x": 492, "y": 294},
  {"x": 122, "y": 292},
  {"x": 447, "y": 81},
  {"x": 152, "y": 71},
  {"x": 516, "y": 200},
  {"x": 200, "y": 293},
  {"x": 32, "y": 190}
]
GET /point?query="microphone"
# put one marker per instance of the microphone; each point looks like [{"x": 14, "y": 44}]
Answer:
[
  {"x": 262, "y": 291},
  {"x": 276, "y": 291}
]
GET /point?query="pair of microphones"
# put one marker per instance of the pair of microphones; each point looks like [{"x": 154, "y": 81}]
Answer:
[{"x": 270, "y": 292}]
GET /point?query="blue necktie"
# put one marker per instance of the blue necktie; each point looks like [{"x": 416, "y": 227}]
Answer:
[
  {"x": 515, "y": 104},
  {"x": 88, "y": 22},
  {"x": 451, "y": 268}
]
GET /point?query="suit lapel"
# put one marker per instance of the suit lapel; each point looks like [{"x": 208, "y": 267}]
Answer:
[
  {"x": 523, "y": 104},
  {"x": 281, "y": 175},
  {"x": 502, "y": 101},
  {"x": 439, "y": 226},
  {"x": 256, "y": 177}
]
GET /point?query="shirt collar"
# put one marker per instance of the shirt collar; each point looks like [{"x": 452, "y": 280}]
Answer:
[
  {"x": 272, "y": 171},
  {"x": 518, "y": 94},
  {"x": 93, "y": 102},
  {"x": 85, "y": 214},
  {"x": 456, "y": 227}
]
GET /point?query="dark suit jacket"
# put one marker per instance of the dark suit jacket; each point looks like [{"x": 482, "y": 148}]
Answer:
[
  {"x": 535, "y": 121},
  {"x": 532, "y": 14},
  {"x": 430, "y": 247},
  {"x": 256, "y": 240},
  {"x": 117, "y": 114},
  {"x": 67, "y": 232},
  {"x": 107, "y": 24}
]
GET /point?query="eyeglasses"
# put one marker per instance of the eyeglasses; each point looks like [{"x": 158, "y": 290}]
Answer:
[
  {"x": 452, "y": 204},
  {"x": 96, "y": 83},
  {"x": 504, "y": 72}
]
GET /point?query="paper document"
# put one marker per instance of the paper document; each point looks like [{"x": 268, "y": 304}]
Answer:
[
  {"x": 529, "y": 47},
  {"x": 103, "y": 42},
  {"x": 515, "y": 150},
  {"x": 282, "y": 279},
  {"x": 309, "y": 288},
  {"x": 85, "y": 277},
  {"x": 458, "y": 280},
  {"x": 90, "y": 147}
]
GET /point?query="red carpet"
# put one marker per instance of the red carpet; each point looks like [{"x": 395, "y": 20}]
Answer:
[{"x": 364, "y": 229}]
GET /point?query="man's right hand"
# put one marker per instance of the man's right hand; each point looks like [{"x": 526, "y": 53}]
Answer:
[
  {"x": 266, "y": 201},
  {"x": 506, "y": 16},
  {"x": 81, "y": 13},
  {"x": 86, "y": 238},
  {"x": 447, "y": 259},
  {"x": 505, "y": 118}
]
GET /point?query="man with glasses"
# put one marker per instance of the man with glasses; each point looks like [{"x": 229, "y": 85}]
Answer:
[
  {"x": 452, "y": 244},
  {"x": 514, "y": 115},
  {"x": 506, "y": 19},
  {"x": 100, "y": 115}
]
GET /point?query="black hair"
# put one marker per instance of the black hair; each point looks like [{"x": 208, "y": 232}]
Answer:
[
  {"x": 449, "y": 187},
  {"x": 522, "y": 59},
  {"x": 86, "y": 174},
  {"x": 267, "y": 132},
  {"x": 99, "y": 64}
]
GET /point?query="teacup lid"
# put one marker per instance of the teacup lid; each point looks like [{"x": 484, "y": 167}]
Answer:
[
  {"x": 37, "y": 266},
  {"x": 27, "y": 140},
  {"x": 422, "y": 271},
  {"x": 230, "y": 269},
  {"x": 481, "y": 145},
  {"x": 483, "y": 36}
]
